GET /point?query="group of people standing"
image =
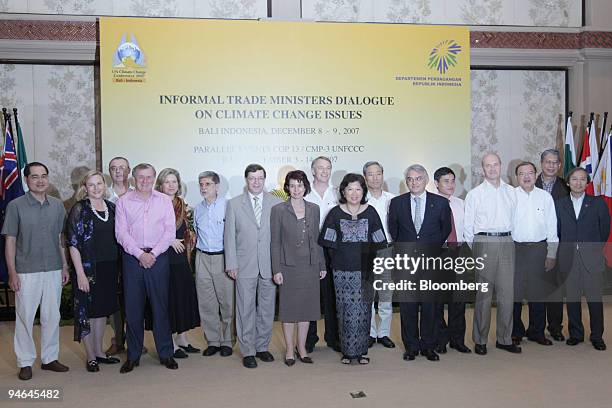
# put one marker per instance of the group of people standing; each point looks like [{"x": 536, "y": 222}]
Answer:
[{"x": 316, "y": 247}]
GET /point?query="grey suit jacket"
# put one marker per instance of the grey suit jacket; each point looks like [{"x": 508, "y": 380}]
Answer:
[
  {"x": 285, "y": 236},
  {"x": 247, "y": 245}
]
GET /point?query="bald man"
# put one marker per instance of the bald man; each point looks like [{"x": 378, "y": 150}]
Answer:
[{"x": 489, "y": 210}]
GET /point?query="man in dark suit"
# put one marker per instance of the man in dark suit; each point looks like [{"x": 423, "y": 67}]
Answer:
[
  {"x": 423, "y": 218},
  {"x": 583, "y": 223},
  {"x": 550, "y": 161}
]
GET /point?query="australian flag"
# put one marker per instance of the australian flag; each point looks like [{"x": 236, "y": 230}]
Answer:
[{"x": 10, "y": 188}]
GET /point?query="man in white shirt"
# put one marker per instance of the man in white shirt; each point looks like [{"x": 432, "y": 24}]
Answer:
[
  {"x": 379, "y": 199},
  {"x": 489, "y": 208},
  {"x": 326, "y": 197},
  {"x": 534, "y": 231},
  {"x": 119, "y": 171},
  {"x": 454, "y": 331}
]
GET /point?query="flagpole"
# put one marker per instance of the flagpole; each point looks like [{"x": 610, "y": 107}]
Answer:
[
  {"x": 16, "y": 122},
  {"x": 602, "y": 136}
]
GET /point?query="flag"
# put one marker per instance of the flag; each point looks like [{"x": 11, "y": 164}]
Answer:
[
  {"x": 602, "y": 184},
  {"x": 570, "y": 148},
  {"x": 602, "y": 136},
  {"x": 12, "y": 188},
  {"x": 22, "y": 158},
  {"x": 588, "y": 157}
]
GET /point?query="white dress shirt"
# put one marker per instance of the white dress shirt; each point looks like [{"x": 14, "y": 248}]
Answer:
[
  {"x": 577, "y": 203},
  {"x": 381, "y": 205},
  {"x": 325, "y": 203},
  {"x": 488, "y": 209},
  {"x": 112, "y": 195},
  {"x": 458, "y": 210},
  {"x": 535, "y": 218},
  {"x": 259, "y": 198}
]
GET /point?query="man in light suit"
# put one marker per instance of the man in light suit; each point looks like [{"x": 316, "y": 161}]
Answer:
[
  {"x": 247, "y": 260},
  {"x": 583, "y": 224},
  {"x": 422, "y": 218}
]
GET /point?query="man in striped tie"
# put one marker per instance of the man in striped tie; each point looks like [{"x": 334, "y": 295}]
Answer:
[{"x": 247, "y": 260}]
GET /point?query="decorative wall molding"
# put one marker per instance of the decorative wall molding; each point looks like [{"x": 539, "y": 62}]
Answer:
[
  {"x": 51, "y": 51},
  {"x": 84, "y": 31}
]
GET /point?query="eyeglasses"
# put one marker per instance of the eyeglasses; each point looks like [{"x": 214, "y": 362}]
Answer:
[
  {"x": 117, "y": 168},
  {"x": 553, "y": 162},
  {"x": 415, "y": 179},
  {"x": 260, "y": 179}
]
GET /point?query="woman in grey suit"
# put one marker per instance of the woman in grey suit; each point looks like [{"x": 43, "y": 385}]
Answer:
[{"x": 297, "y": 263}]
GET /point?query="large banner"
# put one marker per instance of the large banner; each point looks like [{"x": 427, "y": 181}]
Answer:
[{"x": 217, "y": 95}]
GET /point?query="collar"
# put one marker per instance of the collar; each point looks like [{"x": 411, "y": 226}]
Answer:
[
  {"x": 577, "y": 199},
  {"x": 423, "y": 195},
  {"x": 251, "y": 195},
  {"x": 33, "y": 201}
]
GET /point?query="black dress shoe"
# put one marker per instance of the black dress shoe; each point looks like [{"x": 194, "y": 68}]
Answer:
[
  {"x": 169, "y": 362},
  {"x": 178, "y": 353},
  {"x": 557, "y": 336},
  {"x": 409, "y": 355},
  {"x": 265, "y": 356},
  {"x": 108, "y": 360},
  {"x": 190, "y": 349},
  {"x": 55, "y": 366},
  {"x": 371, "y": 341},
  {"x": 289, "y": 362},
  {"x": 441, "y": 350},
  {"x": 306, "y": 359},
  {"x": 572, "y": 341},
  {"x": 210, "y": 351},
  {"x": 92, "y": 366},
  {"x": 25, "y": 373},
  {"x": 386, "y": 342},
  {"x": 462, "y": 348},
  {"x": 129, "y": 366},
  {"x": 516, "y": 340},
  {"x": 480, "y": 349},
  {"x": 543, "y": 341},
  {"x": 249, "y": 362},
  {"x": 226, "y": 351},
  {"x": 511, "y": 348},
  {"x": 599, "y": 345},
  {"x": 430, "y": 354}
]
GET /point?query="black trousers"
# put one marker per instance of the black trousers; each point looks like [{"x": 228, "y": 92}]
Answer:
[
  {"x": 140, "y": 284},
  {"x": 418, "y": 325},
  {"x": 454, "y": 331},
  {"x": 328, "y": 300},
  {"x": 588, "y": 283},
  {"x": 531, "y": 283}
]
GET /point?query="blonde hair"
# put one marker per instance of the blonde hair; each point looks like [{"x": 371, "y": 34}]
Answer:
[
  {"x": 81, "y": 192},
  {"x": 162, "y": 177}
]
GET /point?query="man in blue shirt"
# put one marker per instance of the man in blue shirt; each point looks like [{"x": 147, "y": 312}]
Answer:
[{"x": 215, "y": 288}]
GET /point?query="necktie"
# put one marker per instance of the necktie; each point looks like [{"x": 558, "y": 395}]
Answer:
[
  {"x": 452, "y": 237},
  {"x": 418, "y": 220},
  {"x": 257, "y": 210}
]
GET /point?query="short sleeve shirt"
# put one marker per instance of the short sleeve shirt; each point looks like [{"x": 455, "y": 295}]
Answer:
[{"x": 37, "y": 228}]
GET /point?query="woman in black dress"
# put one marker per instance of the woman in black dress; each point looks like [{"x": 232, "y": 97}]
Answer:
[
  {"x": 94, "y": 253},
  {"x": 353, "y": 233},
  {"x": 183, "y": 301}
]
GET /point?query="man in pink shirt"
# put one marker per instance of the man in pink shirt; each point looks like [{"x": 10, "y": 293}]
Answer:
[{"x": 145, "y": 227}]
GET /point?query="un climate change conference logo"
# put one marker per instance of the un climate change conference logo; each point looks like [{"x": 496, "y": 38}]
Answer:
[
  {"x": 128, "y": 54},
  {"x": 444, "y": 56},
  {"x": 129, "y": 62}
]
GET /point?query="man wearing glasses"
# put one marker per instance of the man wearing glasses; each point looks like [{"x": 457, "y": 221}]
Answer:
[
  {"x": 548, "y": 181},
  {"x": 248, "y": 262},
  {"x": 119, "y": 170}
]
